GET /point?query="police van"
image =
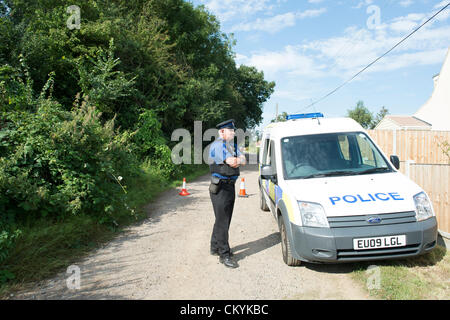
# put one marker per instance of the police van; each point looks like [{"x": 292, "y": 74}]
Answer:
[{"x": 335, "y": 195}]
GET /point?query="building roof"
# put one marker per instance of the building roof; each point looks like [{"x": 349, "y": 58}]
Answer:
[{"x": 408, "y": 121}]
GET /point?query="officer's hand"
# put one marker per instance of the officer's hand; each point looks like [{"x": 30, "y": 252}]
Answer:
[
  {"x": 242, "y": 161},
  {"x": 232, "y": 162}
]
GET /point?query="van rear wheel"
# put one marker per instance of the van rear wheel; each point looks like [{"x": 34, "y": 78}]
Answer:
[{"x": 286, "y": 248}]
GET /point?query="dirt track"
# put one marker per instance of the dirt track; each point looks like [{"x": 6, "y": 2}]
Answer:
[{"x": 167, "y": 257}]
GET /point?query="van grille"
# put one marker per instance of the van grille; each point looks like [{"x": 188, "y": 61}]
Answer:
[
  {"x": 377, "y": 253},
  {"x": 362, "y": 221}
]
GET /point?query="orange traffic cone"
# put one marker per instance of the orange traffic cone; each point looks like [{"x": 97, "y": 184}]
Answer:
[
  {"x": 183, "y": 190},
  {"x": 242, "y": 192}
]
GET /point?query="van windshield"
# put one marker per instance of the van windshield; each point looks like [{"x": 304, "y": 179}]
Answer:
[{"x": 331, "y": 154}]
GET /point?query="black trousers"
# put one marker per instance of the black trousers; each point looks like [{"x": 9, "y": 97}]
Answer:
[{"x": 223, "y": 204}]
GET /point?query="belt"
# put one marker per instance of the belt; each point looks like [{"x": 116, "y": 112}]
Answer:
[
  {"x": 229, "y": 181},
  {"x": 221, "y": 177}
]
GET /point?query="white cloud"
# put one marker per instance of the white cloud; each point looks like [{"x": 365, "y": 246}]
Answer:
[
  {"x": 426, "y": 47},
  {"x": 441, "y": 4},
  {"x": 404, "y": 60},
  {"x": 271, "y": 25},
  {"x": 348, "y": 53},
  {"x": 230, "y": 9},
  {"x": 278, "y": 22},
  {"x": 290, "y": 61},
  {"x": 311, "y": 13},
  {"x": 290, "y": 94},
  {"x": 406, "y": 3},
  {"x": 407, "y": 23},
  {"x": 363, "y": 3}
]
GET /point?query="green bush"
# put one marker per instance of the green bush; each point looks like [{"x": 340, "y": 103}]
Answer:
[
  {"x": 7, "y": 241},
  {"x": 61, "y": 163},
  {"x": 56, "y": 163},
  {"x": 100, "y": 81},
  {"x": 152, "y": 146}
]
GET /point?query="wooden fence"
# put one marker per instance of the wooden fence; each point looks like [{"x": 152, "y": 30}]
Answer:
[
  {"x": 434, "y": 179},
  {"x": 417, "y": 145},
  {"x": 424, "y": 161}
]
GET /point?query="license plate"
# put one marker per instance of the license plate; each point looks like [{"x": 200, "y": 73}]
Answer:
[{"x": 379, "y": 242}]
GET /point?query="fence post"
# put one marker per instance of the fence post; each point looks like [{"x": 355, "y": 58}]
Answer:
[
  {"x": 394, "y": 141},
  {"x": 408, "y": 164}
]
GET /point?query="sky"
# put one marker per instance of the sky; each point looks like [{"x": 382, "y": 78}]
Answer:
[{"x": 310, "y": 47}]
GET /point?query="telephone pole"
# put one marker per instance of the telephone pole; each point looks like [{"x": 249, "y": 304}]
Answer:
[{"x": 276, "y": 113}]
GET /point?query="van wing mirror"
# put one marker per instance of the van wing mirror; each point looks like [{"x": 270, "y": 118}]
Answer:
[
  {"x": 267, "y": 172},
  {"x": 395, "y": 161}
]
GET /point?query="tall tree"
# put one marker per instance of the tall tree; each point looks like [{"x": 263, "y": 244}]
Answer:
[
  {"x": 361, "y": 114},
  {"x": 182, "y": 64}
]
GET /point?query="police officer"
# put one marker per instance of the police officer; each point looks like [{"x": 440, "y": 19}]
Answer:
[{"x": 225, "y": 160}]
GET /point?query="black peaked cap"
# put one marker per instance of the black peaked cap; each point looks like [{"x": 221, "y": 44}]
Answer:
[{"x": 226, "y": 124}]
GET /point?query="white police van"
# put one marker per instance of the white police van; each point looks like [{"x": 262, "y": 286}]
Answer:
[{"x": 336, "y": 196}]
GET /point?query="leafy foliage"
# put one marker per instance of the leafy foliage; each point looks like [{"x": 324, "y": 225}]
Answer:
[
  {"x": 280, "y": 118},
  {"x": 80, "y": 108},
  {"x": 60, "y": 162},
  {"x": 361, "y": 114},
  {"x": 364, "y": 117},
  {"x": 101, "y": 83}
]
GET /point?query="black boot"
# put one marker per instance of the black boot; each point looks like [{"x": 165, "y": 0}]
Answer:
[{"x": 228, "y": 261}]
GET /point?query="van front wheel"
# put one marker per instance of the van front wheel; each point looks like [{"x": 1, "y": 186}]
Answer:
[
  {"x": 262, "y": 202},
  {"x": 286, "y": 249}
]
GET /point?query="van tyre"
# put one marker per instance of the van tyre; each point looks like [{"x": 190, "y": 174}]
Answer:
[
  {"x": 286, "y": 248},
  {"x": 262, "y": 202}
]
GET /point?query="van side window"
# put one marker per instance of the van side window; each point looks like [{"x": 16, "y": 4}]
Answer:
[
  {"x": 266, "y": 153},
  {"x": 272, "y": 155}
]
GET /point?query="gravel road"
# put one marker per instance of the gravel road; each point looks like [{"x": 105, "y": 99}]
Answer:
[{"x": 167, "y": 257}]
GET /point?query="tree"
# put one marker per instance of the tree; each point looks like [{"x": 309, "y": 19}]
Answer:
[
  {"x": 281, "y": 117},
  {"x": 255, "y": 91},
  {"x": 174, "y": 61},
  {"x": 380, "y": 115},
  {"x": 364, "y": 117},
  {"x": 361, "y": 114}
]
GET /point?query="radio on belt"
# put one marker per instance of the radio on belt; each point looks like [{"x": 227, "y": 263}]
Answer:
[{"x": 335, "y": 195}]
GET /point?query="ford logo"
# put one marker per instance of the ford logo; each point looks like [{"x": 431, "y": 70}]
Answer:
[{"x": 374, "y": 220}]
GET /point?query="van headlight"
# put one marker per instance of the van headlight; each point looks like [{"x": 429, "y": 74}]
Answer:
[
  {"x": 424, "y": 209},
  {"x": 313, "y": 215}
]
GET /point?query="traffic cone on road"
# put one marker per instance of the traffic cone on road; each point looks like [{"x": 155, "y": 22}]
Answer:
[
  {"x": 242, "y": 192},
  {"x": 183, "y": 190}
]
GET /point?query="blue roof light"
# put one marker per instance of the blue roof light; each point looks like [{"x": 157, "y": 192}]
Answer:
[{"x": 304, "y": 116}]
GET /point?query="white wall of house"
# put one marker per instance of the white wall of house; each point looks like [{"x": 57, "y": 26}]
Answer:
[{"x": 437, "y": 109}]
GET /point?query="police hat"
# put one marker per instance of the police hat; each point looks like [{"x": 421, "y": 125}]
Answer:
[{"x": 226, "y": 124}]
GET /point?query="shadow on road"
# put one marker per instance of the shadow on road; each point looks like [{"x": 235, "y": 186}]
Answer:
[{"x": 247, "y": 249}]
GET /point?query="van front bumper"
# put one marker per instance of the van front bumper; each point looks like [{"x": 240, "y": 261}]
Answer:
[{"x": 336, "y": 244}]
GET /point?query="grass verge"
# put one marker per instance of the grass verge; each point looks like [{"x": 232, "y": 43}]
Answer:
[
  {"x": 419, "y": 278},
  {"x": 48, "y": 247}
]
